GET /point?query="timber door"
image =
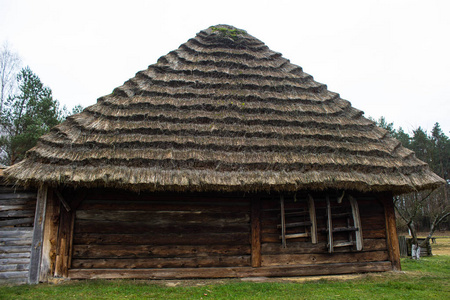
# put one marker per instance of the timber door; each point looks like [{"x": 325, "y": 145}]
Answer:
[{"x": 129, "y": 231}]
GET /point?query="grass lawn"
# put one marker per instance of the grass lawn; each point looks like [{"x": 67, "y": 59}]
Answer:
[{"x": 427, "y": 278}]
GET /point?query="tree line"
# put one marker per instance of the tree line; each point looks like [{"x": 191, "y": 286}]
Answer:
[
  {"x": 425, "y": 210},
  {"x": 27, "y": 108}
]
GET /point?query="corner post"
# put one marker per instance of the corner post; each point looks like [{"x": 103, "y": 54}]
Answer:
[
  {"x": 391, "y": 231},
  {"x": 38, "y": 233}
]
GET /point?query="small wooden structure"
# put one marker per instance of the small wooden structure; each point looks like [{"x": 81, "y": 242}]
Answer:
[
  {"x": 17, "y": 209},
  {"x": 223, "y": 159}
]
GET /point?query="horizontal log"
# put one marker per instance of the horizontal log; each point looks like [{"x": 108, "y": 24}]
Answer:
[
  {"x": 164, "y": 206},
  {"x": 174, "y": 262},
  {"x": 164, "y": 217},
  {"x": 374, "y": 234},
  {"x": 83, "y": 226},
  {"x": 14, "y": 281},
  {"x": 16, "y": 213},
  {"x": 143, "y": 251},
  {"x": 163, "y": 239},
  {"x": 19, "y": 195},
  {"x": 14, "y": 222},
  {"x": 14, "y": 261},
  {"x": 14, "y": 267},
  {"x": 29, "y": 202},
  {"x": 22, "y": 232},
  {"x": 15, "y": 241},
  {"x": 316, "y": 258},
  {"x": 117, "y": 196},
  {"x": 14, "y": 249},
  {"x": 15, "y": 255},
  {"x": 15, "y": 274},
  {"x": 185, "y": 273}
]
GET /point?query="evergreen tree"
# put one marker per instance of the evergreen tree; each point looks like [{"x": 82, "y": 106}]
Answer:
[{"x": 26, "y": 116}]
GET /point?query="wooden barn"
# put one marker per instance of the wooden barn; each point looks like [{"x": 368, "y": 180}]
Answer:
[{"x": 223, "y": 159}]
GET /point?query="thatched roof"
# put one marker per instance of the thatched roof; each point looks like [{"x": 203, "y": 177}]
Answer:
[{"x": 223, "y": 112}]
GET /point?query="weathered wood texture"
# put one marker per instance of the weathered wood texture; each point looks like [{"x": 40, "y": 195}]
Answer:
[
  {"x": 38, "y": 234},
  {"x": 49, "y": 237},
  {"x": 391, "y": 231},
  {"x": 16, "y": 231},
  {"x": 238, "y": 272},
  {"x": 116, "y": 231},
  {"x": 301, "y": 251}
]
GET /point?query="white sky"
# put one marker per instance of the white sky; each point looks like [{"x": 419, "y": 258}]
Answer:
[{"x": 388, "y": 58}]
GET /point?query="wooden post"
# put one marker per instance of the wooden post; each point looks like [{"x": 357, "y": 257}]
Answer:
[
  {"x": 391, "y": 231},
  {"x": 38, "y": 230},
  {"x": 283, "y": 222},
  {"x": 256, "y": 232},
  {"x": 50, "y": 237},
  {"x": 65, "y": 232}
]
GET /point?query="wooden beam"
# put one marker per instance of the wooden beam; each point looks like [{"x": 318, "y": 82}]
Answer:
[
  {"x": 63, "y": 201},
  {"x": 50, "y": 237},
  {"x": 391, "y": 231},
  {"x": 237, "y": 272},
  {"x": 38, "y": 231},
  {"x": 65, "y": 233},
  {"x": 356, "y": 223},
  {"x": 313, "y": 219},
  {"x": 329, "y": 225},
  {"x": 256, "y": 233},
  {"x": 283, "y": 222}
]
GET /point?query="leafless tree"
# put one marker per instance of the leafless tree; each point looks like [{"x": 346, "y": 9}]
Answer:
[
  {"x": 9, "y": 66},
  {"x": 414, "y": 206}
]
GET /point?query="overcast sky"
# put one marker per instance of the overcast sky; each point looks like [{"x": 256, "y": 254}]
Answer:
[{"x": 388, "y": 58}]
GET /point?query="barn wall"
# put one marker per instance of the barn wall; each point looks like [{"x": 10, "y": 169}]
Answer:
[
  {"x": 117, "y": 234},
  {"x": 301, "y": 251},
  {"x": 17, "y": 210},
  {"x": 122, "y": 231}
]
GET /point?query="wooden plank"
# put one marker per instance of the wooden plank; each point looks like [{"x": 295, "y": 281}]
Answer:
[
  {"x": 283, "y": 222},
  {"x": 14, "y": 249},
  {"x": 326, "y": 258},
  {"x": 84, "y": 226},
  {"x": 391, "y": 231},
  {"x": 15, "y": 241},
  {"x": 50, "y": 237},
  {"x": 19, "y": 232},
  {"x": 64, "y": 242},
  {"x": 38, "y": 230},
  {"x": 16, "y": 213},
  {"x": 14, "y": 267},
  {"x": 206, "y": 207},
  {"x": 329, "y": 226},
  {"x": 256, "y": 233},
  {"x": 18, "y": 195},
  {"x": 313, "y": 219},
  {"x": 164, "y": 239},
  {"x": 357, "y": 223},
  {"x": 11, "y": 275},
  {"x": 15, "y": 255},
  {"x": 15, "y": 222},
  {"x": 238, "y": 272},
  {"x": 165, "y": 217},
  {"x": 143, "y": 251},
  {"x": 296, "y": 235},
  {"x": 14, "y": 261},
  {"x": 174, "y": 262}
]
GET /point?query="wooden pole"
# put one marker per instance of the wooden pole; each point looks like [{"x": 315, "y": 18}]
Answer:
[
  {"x": 38, "y": 230},
  {"x": 391, "y": 231},
  {"x": 49, "y": 237},
  {"x": 256, "y": 233}
]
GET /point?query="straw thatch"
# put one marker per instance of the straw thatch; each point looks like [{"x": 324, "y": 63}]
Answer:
[{"x": 223, "y": 112}]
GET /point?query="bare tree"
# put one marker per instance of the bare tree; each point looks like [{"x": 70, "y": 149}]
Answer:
[
  {"x": 9, "y": 67},
  {"x": 414, "y": 206}
]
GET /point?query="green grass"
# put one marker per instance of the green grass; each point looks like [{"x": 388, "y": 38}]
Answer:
[{"x": 427, "y": 278}]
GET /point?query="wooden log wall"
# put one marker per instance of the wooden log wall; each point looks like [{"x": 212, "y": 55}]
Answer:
[
  {"x": 302, "y": 251},
  {"x": 128, "y": 231},
  {"x": 17, "y": 209}
]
